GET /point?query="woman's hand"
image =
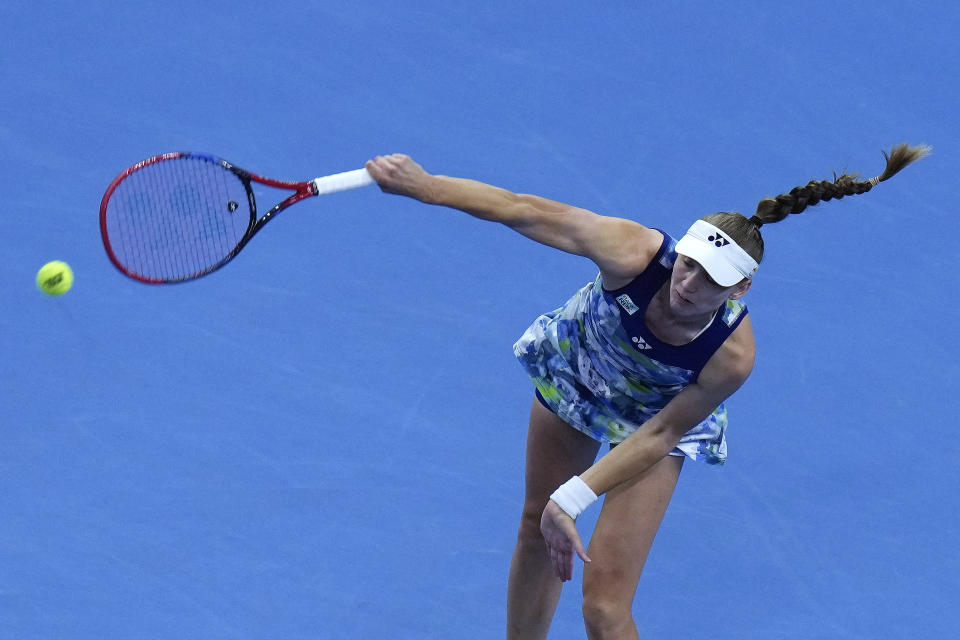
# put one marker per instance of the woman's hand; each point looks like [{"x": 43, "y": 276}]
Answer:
[
  {"x": 399, "y": 174},
  {"x": 562, "y": 539}
]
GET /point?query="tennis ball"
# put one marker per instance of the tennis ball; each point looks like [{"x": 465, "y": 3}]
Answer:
[{"x": 55, "y": 278}]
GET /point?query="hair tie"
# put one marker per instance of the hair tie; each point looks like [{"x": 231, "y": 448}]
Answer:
[
  {"x": 757, "y": 222},
  {"x": 874, "y": 181}
]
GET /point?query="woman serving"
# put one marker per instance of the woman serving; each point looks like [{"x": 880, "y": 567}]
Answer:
[{"x": 642, "y": 358}]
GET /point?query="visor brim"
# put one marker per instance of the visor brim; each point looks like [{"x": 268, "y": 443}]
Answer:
[{"x": 722, "y": 272}]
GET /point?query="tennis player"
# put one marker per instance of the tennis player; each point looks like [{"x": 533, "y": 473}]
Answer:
[{"x": 642, "y": 358}]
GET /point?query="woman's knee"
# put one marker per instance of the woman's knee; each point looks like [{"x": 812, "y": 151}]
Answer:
[
  {"x": 606, "y": 616},
  {"x": 607, "y": 600},
  {"x": 529, "y": 530}
]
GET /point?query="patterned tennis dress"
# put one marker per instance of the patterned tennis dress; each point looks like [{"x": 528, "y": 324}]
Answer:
[{"x": 598, "y": 366}]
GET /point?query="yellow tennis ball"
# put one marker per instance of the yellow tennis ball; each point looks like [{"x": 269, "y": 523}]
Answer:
[{"x": 55, "y": 278}]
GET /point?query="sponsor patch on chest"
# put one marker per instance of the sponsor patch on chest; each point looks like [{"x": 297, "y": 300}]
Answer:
[{"x": 627, "y": 304}]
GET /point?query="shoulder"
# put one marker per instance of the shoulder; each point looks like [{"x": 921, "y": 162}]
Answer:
[
  {"x": 732, "y": 363},
  {"x": 632, "y": 248}
]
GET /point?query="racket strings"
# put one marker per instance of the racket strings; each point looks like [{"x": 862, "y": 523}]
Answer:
[{"x": 178, "y": 218}]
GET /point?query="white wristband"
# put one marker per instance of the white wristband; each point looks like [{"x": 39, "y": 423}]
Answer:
[{"x": 573, "y": 496}]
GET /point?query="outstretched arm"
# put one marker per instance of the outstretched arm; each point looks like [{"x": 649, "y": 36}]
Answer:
[{"x": 620, "y": 248}]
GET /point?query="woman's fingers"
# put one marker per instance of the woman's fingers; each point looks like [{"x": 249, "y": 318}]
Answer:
[{"x": 563, "y": 541}]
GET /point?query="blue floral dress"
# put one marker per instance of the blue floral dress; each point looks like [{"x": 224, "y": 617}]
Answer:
[{"x": 598, "y": 366}]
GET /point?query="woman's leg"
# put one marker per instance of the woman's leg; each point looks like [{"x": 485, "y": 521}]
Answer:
[
  {"x": 621, "y": 540},
  {"x": 555, "y": 452}
]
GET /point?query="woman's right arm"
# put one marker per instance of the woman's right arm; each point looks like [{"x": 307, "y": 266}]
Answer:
[{"x": 620, "y": 248}]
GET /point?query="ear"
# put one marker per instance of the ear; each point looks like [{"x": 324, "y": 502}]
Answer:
[{"x": 740, "y": 290}]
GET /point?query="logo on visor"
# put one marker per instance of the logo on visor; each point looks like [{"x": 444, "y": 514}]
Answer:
[{"x": 718, "y": 240}]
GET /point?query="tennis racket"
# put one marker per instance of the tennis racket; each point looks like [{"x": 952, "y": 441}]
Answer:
[{"x": 180, "y": 216}]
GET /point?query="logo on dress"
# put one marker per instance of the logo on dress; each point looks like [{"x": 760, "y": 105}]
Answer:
[
  {"x": 718, "y": 240},
  {"x": 627, "y": 304},
  {"x": 640, "y": 343}
]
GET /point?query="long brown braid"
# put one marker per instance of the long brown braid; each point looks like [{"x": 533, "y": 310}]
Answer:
[{"x": 746, "y": 232}]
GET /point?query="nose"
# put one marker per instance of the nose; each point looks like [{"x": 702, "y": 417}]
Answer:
[{"x": 690, "y": 279}]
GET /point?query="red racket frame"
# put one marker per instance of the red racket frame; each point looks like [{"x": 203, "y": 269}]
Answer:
[{"x": 301, "y": 190}]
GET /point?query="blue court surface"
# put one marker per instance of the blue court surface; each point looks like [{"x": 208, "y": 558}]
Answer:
[{"x": 325, "y": 439}]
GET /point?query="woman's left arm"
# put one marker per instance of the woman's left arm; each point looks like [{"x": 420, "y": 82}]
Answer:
[{"x": 726, "y": 371}]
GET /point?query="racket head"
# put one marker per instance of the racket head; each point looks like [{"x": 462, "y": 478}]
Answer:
[{"x": 177, "y": 216}]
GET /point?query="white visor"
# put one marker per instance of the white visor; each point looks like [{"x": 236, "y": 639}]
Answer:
[{"x": 720, "y": 256}]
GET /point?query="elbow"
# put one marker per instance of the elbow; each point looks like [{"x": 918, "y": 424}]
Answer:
[
  {"x": 520, "y": 211},
  {"x": 529, "y": 211},
  {"x": 666, "y": 436}
]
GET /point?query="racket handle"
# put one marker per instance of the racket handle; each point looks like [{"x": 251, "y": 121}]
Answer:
[{"x": 342, "y": 181}]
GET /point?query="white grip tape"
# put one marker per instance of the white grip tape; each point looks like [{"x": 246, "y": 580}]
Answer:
[
  {"x": 342, "y": 181},
  {"x": 573, "y": 496}
]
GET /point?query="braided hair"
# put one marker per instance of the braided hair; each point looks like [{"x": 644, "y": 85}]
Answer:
[{"x": 746, "y": 232}]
